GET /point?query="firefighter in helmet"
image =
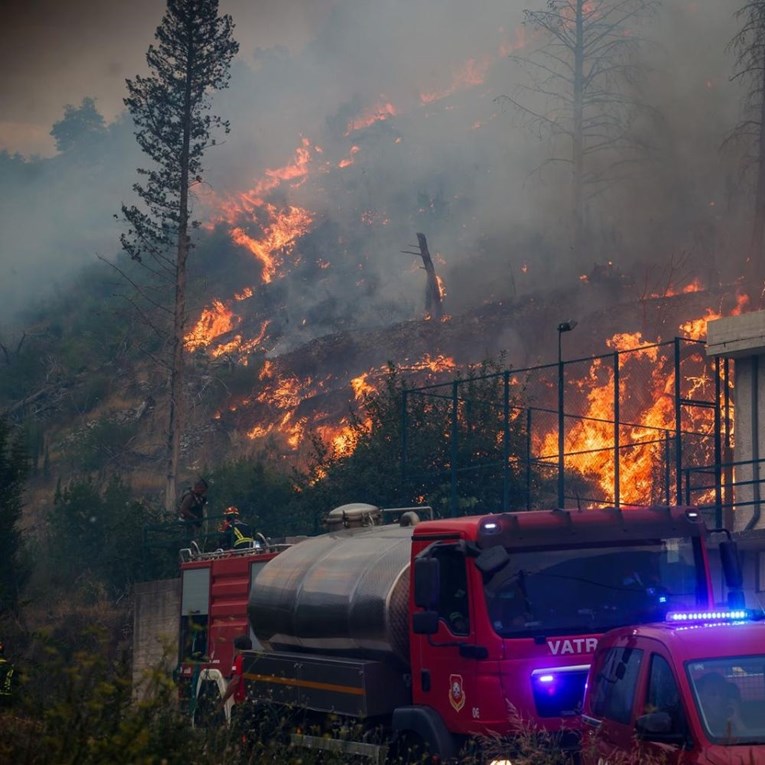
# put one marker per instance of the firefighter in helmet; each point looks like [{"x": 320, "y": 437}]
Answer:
[{"x": 235, "y": 533}]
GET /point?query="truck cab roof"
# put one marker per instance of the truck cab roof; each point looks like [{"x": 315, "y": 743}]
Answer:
[
  {"x": 544, "y": 528},
  {"x": 695, "y": 641}
]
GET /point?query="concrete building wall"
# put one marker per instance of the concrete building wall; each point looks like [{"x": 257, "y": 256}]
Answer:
[
  {"x": 742, "y": 339},
  {"x": 155, "y": 628}
]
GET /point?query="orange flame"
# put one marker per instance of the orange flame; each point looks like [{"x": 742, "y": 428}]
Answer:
[
  {"x": 379, "y": 112},
  {"x": 472, "y": 73},
  {"x": 590, "y": 438},
  {"x": 278, "y": 239},
  {"x": 282, "y": 227},
  {"x": 361, "y": 387},
  {"x": 347, "y": 161},
  {"x": 214, "y": 321}
]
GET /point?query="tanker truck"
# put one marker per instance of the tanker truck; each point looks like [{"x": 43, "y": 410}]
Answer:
[{"x": 393, "y": 639}]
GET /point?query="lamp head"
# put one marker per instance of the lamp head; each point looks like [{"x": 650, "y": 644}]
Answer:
[{"x": 567, "y": 326}]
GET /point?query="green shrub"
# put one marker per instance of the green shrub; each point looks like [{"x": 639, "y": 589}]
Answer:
[{"x": 96, "y": 537}]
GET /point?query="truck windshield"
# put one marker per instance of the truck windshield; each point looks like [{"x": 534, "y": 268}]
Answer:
[
  {"x": 729, "y": 693},
  {"x": 590, "y": 589}
]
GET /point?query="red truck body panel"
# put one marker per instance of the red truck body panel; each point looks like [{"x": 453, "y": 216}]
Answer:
[
  {"x": 507, "y": 687},
  {"x": 215, "y": 591}
]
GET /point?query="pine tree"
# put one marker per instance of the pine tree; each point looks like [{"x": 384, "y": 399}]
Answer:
[{"x": 174, "y": 127}]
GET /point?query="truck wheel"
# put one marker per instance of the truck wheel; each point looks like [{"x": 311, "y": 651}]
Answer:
[{"x": 408, "y": 749}]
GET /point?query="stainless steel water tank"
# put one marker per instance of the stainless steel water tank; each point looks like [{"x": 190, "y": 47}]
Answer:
[{"x": 345, "y": 592}]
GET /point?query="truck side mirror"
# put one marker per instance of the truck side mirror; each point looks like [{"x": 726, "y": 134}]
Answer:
[
  {"x": 731, "y": 565},
  {"x": 427, "y": 582},
  {"x": 492, "y": 559}
]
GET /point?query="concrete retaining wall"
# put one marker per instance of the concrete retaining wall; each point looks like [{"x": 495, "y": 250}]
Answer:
[{"x": 155, "y": 628}]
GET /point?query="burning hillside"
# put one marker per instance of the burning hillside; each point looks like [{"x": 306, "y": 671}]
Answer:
[
  {"x": 306, "y": 381},
  {"x": 312, "y": 273}
]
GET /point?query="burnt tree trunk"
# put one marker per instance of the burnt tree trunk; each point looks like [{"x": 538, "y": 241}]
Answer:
[{"x": 434, "y": 307}]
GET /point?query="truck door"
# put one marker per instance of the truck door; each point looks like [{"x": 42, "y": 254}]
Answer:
[
  {"x": 659, "y": 706},
  {"x": 444, "y": 679},
  {"x": 613, "y": 693},
  {"x": 195, "y": 611}
]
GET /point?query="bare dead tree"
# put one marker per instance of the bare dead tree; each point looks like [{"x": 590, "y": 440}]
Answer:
[
  {"x": 748, "y": 48},
  {"x": 582, "y": 93},
  {"x": 434, "y": 305}
]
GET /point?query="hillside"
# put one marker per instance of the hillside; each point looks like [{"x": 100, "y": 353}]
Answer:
[{"x": 94, "y": 403}]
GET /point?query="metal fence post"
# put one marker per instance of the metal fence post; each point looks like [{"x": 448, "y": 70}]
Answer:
[
  {"x": 617, "y": 477},
  {"x": 454, "y": 449},
  {"x": 678, "y": 425},
  {"x": 506, "y": 444}
]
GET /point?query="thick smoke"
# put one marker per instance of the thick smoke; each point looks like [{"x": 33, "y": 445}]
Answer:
[{"x": 447, "y": 157}]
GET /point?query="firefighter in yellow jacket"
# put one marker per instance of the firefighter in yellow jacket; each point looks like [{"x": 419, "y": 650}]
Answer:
[{"x": 235, "y": 534}]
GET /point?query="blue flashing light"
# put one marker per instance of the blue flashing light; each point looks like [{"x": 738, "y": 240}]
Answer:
[
  {"x": 708, "y": 617},
  {"x": 546, "y": 678}
]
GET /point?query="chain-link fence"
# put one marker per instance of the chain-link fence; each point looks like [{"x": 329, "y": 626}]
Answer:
[{"x": 633, "y": 427}]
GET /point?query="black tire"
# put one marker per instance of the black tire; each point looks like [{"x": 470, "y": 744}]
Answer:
[{"x": 409, "y": 749}]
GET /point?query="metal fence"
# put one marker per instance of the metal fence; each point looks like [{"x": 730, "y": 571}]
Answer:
[{"x": 634, "y": 427}]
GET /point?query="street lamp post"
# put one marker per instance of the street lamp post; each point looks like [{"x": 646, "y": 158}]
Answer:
[{"x": 564, "y": 326}]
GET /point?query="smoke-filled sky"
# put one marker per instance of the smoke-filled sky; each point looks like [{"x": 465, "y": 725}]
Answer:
[
  {"x": 56, "y": 52},
  {"x": 446, "y": 156}
]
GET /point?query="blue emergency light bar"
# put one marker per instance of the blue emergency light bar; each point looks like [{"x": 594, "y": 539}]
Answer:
[{"x": 707, "y": 617}]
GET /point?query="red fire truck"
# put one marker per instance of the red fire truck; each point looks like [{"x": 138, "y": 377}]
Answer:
[
  {"x": 427, "y": 635},
  {"x": 689, "y": 690},
  {"x": 215, "y": 587}
]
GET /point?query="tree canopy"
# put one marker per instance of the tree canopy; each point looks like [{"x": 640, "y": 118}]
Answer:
[{"x": 80, "y": 127}]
